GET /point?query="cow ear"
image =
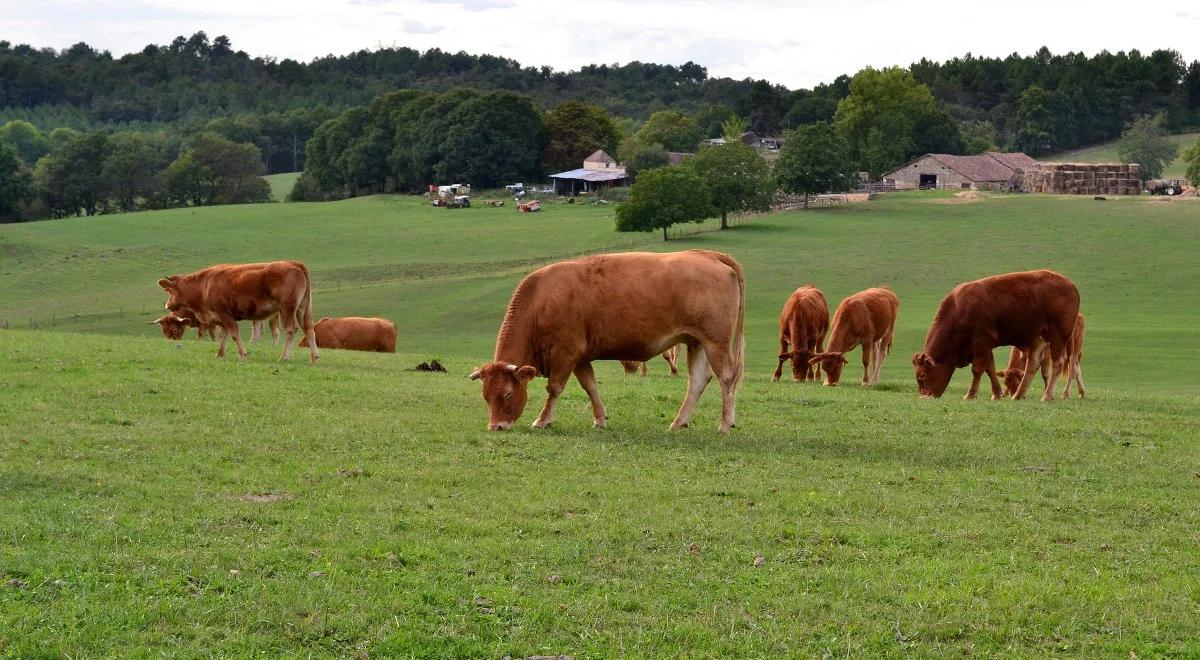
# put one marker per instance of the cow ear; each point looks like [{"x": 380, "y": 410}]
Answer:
[
  {"x": 527, "y": 373},
  {"x": 815, "y": 359},
  {"x": 842, "y": 357},
  {"x": 166, "y": 283},
  {"x": 920, "y": 359}
]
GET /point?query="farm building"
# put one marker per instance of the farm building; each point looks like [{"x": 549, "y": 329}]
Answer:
[
  {"x": 599, "y": 171},
  {"x": 988, "y": 171}
]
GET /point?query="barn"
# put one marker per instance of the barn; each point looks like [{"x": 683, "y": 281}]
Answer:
[
  {"x": 987, "y": 171},
  {"x": 599, "y": 171}
]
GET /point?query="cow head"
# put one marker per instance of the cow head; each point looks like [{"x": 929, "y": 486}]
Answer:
[
  {"x": 171, "y": 286},
  {"x": 801, "y": 360},
  {"x": 1012, "y": 380},
  {"x": 506, "y": 390},
  {"x": 932, "y": 377},
  {"x": 172, "y": 326},
  {"x": 832, "y": 362}
]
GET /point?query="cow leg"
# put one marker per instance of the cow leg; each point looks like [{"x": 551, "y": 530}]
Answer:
[
  {"x": 230, "y": 327},
  {"x": 722, "y": 365},
  {"x": 256, "y": 330},
  {"x": 644, "y": 369},
  {"x": 1032, "y": 360},
  {"x": 981, "y": 364},
  {"x": 1077, "y": 373},
  {"x": 698, "y": 376},
  {"x": 868, "y": 350},
  {"x": 556, "y": 383},
  {"x": 876, "y": 360},
  {"x": 221, "y": 346},
  {"x": 1058, "y": 355},
  {"x": 783, "y": 350},
  {"x": 289, "y": 327},
  {"x": 274, "y": 330},
  {"x": 587, "y": 378},
  {"x": 671, "y": 355}
]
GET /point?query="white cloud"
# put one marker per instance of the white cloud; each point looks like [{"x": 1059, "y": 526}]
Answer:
[{"x": 796, "y": 43}]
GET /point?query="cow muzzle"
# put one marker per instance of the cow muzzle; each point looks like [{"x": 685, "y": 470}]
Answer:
[{"x": 500, "y": 426}]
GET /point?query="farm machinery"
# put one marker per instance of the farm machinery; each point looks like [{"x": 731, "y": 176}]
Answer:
[{"x": 453, "y": 196}]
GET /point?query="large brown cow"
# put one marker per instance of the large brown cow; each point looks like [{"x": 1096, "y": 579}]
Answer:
[
  {"x": 802, "y": 327},
  {"x": 228, "y": 293},
  {"x": 629, "y": 306},
  {"x": 671, "y": 355},
  {"x": 867, "y": 318},
  {"x": 174, "y": 324},
  {"x": 1016, "y": 309},
  {"x": 355, "y": 333},
  {"x": 1073, "y": 372}
]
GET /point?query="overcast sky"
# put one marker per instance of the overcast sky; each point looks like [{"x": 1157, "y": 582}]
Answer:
[{"x": 798, "y": 43}]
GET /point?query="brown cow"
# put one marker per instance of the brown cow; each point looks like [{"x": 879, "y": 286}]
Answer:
[
  {"x": 867, "y": 318},
  {"x": 1013, "y": 373},
  {"x": 1016, "y": 309},
  {"x": 174, "y": 324},
  {"x": 629, "y": 306},
  {"x": 802, "y": 327},
  {"x": 355, "y": 333},
  {"x": 671, "y": 355},
  {"x": 228, "y": 293}
]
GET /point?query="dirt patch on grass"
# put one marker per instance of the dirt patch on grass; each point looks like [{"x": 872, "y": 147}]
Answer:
[
  {"x": 264, "y": 498},
  {"x": 964, "y": 197}
]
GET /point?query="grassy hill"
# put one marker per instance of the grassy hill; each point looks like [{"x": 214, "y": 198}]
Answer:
[
  {"x": 155, "y": 499},
  {"x": 1107, "y": 153},
  {"x": 282, "y": 184}
]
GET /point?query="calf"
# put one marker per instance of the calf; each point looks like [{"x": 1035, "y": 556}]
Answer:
[
  {"x": 802, "y": 327},
  {"x": 1014, "y": 372},
  {"x": 174, "y": 324},
  {"x": 355, "y": 333},
  {"x": 671, "y": 355},
  {"x": 228, "y": 293},
  {"x": 1015, "y": 309},
  {"x": 867, "y": 318}
]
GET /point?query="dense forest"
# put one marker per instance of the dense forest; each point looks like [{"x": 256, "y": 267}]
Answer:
[{"x": 167, "y": 99}]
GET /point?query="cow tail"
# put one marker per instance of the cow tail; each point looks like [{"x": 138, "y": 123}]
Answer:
[
  {"x": 306, "y": 320},
  {"x": 739, "y": 340}
]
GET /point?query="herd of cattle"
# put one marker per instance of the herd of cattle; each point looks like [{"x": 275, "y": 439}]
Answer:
[{"x": 636, "y": 305}]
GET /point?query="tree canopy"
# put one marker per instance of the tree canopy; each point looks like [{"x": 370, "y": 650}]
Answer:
[
  {"x": 663, "y": 197},
  {"x": 1143, "y": 142},
  {"x": 814, "y": 159},
  {"x": 674, "y": 130},
  {"x": 574, "y": 130},
  {"x": 1191, "y": 159},
  {"x": 738, "y": 178}
]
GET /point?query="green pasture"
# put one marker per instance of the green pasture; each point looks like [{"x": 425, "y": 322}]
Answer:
[
  {"x": 155, "y": 500},
  {"x": 282, "y": 184}
]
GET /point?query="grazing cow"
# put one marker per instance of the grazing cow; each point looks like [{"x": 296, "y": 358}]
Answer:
[
  {"x": 1013, "y": 373},
  {"x": 355, "y": 333},
  {"x": 671, "y": 355},
  {"x": 1015, "y": 309},
  {"x": 629, "y": 306},
  {"x": 802, "y": 327},
  {"x": 174, "y": 324},
  {"x": 867, "y": 318},
  {"x": 228, "y": 293}
]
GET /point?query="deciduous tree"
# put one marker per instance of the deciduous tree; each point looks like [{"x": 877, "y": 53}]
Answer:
[
  {"x": 814, "y": 159},
  {"x": 1143, "y": 142},
  {"x": 664, "y": 197},
  {"x": 738, "y": 178}
]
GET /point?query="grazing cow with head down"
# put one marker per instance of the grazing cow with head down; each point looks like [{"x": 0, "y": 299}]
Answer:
[
  {"x": 355, "y": 333},
  {"x": 671, "y": 355},
  {"x": 802, "y": 327},
  {"x": 867, "y": 318},
  {"x": 1016, "y": 309},
  {"x": 1073, "y": 372},
  {"x": 228, "y": 293},
  {"x": 629, "y": 306}
]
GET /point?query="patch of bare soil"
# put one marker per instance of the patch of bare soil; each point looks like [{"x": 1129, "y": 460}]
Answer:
[
  {"x": 964, "y": 197},
  {"x": 264, "y": 498}
]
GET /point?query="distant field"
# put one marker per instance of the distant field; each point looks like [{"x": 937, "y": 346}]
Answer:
[
  {"x": 1107, "y": 153},
  {"x": 155, "y": 500},
  {"x": 282, "y": 184}
]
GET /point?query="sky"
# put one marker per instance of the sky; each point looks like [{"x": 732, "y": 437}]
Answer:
[{"x": 796, "y": 43}]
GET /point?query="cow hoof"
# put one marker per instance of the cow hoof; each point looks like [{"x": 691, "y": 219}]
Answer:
[
  {"x": 598, "y": 424},
  {"x": 540, "y": 425},
  {"x": 677, "y": 427},
  {"x": 724, "y": 428},
  {"x": 997, "y": 397},
  {"x": 969, "y": 397}
]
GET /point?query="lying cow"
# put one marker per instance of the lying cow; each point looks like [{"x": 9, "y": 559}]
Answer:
[
  {"x": 174, "y": 324},
  {"x": 355, "y": 333},
  {"x": 229, "y": 293},
  {"x": 867, "y": 319},
  {"x": 1016, "y": 309},
  {"x": 802, "y": 327},
  {"x": 671, "y": 355},
  {"x": 629, "y": 306},
  {"x": 1013, "y": 373}
]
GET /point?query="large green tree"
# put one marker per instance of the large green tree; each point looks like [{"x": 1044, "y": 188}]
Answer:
[
  {"x": 664, "y": 197},
  {"x": 738, "y": 178},
  {"x": 574, "y": 130},
  {"x": 15, "y": 184},
  {"x": 639, "y": 156},
  {"x": 25, "y": 139},
  {"x": 71, "y": 179},
  {"x": 1145, "y": 143},
  {"x": 1191, "y": 160},
  {"x": 132, "y": 172},
  {"x": 674, "y": 130},
  {"x": 888, "y": 117},
  {"x": 1035, "y": 122},
  {"x": 815, "y": 159},
  {"x": 215, "y": 170}
]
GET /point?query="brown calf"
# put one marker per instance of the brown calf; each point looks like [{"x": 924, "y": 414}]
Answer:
[
  {"x": 671, "y": 355},
  {"x": 228, "y": 293},
  {"x": 355, "y": 333},
  {"x": 174, "y": 324},
  {"x": 802, "y": 327},
  {"x": 1015, "y": 309},
  {"x": 867, "y": 318}
]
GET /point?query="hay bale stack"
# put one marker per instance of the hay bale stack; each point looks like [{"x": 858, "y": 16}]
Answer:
[{"x": 1083, "y": 179}]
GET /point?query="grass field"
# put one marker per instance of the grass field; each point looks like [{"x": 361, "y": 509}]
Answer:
[
  {"x": 156, "y": 500},
  {"x": 1107, "y": 153},
  {"x": 282, "y": 184}
]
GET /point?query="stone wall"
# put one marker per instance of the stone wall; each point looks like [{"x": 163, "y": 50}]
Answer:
[{"x": 1083, "y": 179}]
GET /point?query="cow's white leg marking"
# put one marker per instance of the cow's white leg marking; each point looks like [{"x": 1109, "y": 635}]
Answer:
[{"x": 698, "y": 376}]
